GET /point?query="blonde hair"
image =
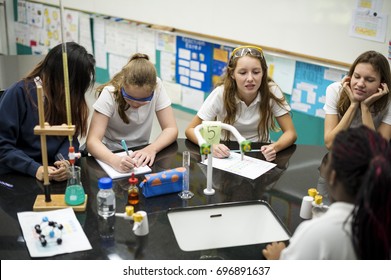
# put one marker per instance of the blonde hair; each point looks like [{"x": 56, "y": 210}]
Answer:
[{"x": 140, "y": 72}]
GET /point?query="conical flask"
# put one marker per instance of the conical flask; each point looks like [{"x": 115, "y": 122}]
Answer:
[{"x": 74, "y": 193}]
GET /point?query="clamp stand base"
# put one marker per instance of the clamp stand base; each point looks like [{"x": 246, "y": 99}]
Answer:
[
  {"x": 209, "y": 192},
  {"x": 58, "y": 202}
]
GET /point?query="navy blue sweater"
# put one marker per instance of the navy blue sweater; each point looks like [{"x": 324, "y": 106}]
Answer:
[{"x": 20, "y": 148}]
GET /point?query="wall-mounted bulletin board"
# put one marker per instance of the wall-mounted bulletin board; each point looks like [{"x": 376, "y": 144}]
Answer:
[{"x": 308, "y": 44}]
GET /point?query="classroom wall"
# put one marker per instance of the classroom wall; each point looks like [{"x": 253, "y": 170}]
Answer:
[
  {"x": 14, "y": 67},
  {"x": 316, "y": 28},
  {"x": 307, "y": 44}
]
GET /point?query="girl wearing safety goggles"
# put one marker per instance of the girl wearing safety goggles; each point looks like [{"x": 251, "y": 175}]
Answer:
[
  {"x": 250, "y": 101},
  {"x": 123, "y": 112}
]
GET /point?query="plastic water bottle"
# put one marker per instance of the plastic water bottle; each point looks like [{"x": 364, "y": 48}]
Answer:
[{"x": 106, "y": 197}]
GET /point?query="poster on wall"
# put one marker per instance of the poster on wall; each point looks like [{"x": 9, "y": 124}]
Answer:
[
  {"x": 165, "y": 66},
  {"x": 165, "y": 42},
  {"x": 71, "y": 26},
  {"x": 120, "y": 37},
  {"x": 51, "y": 34},
  {"x": 165, "y": 56},
  {"x": 193, "y": 67},
  {"x": 85, "y": 38},
  {"x": 368, "y": 22},
  {"x": 35, "y": 14},
  {"x": 22, "y": 11},
  {"x": 146, "y": 42},
  {"x": 282, "y": 71},
  {"x": 221, "y": 55},
  {"x": 309, "y": 87}
]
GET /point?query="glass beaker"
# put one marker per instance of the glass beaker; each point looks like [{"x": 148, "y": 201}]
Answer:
[
  {"x": 186, "y": 193},
  {"x": 74, "y": 192}
]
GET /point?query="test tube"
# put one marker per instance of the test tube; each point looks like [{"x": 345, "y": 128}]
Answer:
[{"x": 186, "y": 193}]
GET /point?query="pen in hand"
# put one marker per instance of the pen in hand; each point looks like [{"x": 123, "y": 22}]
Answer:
[{"x": 124, "y": 146}]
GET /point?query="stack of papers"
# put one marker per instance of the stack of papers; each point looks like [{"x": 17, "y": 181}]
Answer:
[{"x": 114, "y": 174}]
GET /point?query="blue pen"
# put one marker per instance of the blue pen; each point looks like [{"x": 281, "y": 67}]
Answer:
[{"x": 124, "y": 146}]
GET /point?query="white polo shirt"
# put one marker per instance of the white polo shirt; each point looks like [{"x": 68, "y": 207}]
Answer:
[
  {"x": 247, "y": 117},
  {"x": 333, "y": 94},
  {"x": 138, "y": 131},
  {"x": 325, "y": 238}
]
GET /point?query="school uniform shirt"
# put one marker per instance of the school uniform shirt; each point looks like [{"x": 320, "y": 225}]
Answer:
[
  {"x": 20, "y": 148},
  {"x": 138, "y": 131},
  {"x": 333, "y": 93},
  {"x": 325, "y": 238},
  {"x": 247, "y": 117}
]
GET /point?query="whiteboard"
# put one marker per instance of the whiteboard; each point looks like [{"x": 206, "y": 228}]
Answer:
[
  {"x": 226, "y": 225},
  {"x": 314, "y": 28}
]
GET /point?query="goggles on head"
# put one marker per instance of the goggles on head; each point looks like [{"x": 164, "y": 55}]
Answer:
[
  {"x": 244, "y": 50},
  {"x": 129, "y": 97}
]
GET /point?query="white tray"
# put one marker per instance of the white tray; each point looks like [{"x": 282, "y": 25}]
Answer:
[{"x": 226, "y": 225}]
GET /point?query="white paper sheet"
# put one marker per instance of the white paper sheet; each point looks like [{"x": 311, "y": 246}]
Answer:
[
  {"x": 72, "y": 234},
  {"x": 248, "y": 167},
  {"x": 115, "y": 174}
]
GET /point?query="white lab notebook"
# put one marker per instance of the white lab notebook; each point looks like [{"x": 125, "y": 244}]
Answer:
[{"x": 113, "y": 174}]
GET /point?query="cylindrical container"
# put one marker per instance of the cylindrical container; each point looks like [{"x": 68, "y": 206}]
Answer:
[
  {"x": 143, "y": 228},
  {"x": 306, "y": 207},
  {"x": 106, "y": 197},
  {"x": 186, "y": 193},
  {"x": 74, "y": 176}
]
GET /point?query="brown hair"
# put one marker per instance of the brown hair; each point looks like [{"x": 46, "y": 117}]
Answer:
[
  {"x": 231, "y": 91},
  {"x": 380, "y": 65}
]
